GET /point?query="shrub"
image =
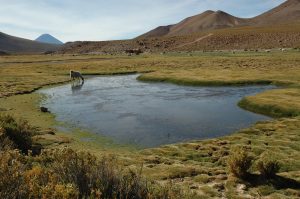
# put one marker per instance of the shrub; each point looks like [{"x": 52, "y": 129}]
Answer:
[
  {"x": 75, "y": 168},
  {"x": 18, "y": 132},
  {"x": 239, "y": 162},
  {"x": 60, "y": 191},
  {"x": 43, "y": 183},
  {"x": 65, "y": 173},
  {"x": 70, "y": 174},
  {"x": 12, "y": 168},
  {"x": 5, "y": 142},
  {"x": 267, "y": 165},
  {"x": 95, "y": 178}
]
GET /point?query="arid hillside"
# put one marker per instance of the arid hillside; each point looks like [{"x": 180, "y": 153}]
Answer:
[
  {"x": 277, "y": 28},
  {"x": 287, "y": 12},
  {"x": 240, "y": 38},
  {"x": 208, "y": 20}
]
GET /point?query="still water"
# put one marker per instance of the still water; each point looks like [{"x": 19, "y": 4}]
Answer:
[{"x": 150, "y": 114}]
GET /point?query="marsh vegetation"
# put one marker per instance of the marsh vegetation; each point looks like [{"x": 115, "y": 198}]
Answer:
[{"x": 199, "y": 166}]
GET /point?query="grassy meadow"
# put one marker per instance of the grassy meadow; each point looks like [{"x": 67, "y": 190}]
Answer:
[{"x": 198, "y": 166}]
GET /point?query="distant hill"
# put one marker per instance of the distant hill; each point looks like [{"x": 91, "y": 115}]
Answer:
[
  {"x": 46, "y": 38},
  {"x": 208, "y": 20},
  {"x": 11, "y": 44},
  {"x": 287, "y": 12}
]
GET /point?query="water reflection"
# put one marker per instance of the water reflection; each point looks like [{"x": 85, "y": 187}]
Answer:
[
  {"x": 76, "y": 86},
  {"x": 151, "y": 114}
]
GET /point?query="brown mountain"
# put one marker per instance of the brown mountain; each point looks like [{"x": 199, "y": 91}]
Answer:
[
  {"x": 287, "y": 12},
  {"x": 11, "y": 44},
  {"x": 206, "y": 21},
  {"x": 209, "y": 31},
  {"x": 158, "y": 32}
]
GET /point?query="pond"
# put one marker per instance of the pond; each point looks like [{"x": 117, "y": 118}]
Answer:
[{"x": 150, "y": 114}]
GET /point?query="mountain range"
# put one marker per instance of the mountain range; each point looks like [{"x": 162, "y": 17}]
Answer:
[
  {"x": 211, "y": 20},
  {"x": 210, "y": 30}
]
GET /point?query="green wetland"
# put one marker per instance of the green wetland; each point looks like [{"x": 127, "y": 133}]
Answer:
[
  {"x": 150, "y": 114},
  {"x": 209, "y": 168}
]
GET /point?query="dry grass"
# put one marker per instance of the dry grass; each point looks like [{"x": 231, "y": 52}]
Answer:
[
  {"x": 198, "y": 165},
  {"x": 23, "y": 74},
  {"x": 276, "y": 103}
]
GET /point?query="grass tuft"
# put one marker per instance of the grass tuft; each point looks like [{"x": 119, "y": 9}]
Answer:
[{"x": 239, "y": 162}]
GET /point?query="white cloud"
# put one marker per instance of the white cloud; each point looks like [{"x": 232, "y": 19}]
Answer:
[{"x": 71, "y": 20}]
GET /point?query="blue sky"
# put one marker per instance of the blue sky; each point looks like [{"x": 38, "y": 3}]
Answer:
[{"x": 72, "y": 20}]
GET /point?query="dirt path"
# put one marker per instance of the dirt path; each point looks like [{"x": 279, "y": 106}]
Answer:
[{"x": 197, "y": 40}]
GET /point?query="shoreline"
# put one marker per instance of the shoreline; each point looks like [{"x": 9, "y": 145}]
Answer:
[
  {"x": 84, "y": 133},
  {"x": 244, "y": 103}
]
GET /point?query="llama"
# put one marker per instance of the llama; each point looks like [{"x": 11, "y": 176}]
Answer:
[{"x": 76, "y": 75}]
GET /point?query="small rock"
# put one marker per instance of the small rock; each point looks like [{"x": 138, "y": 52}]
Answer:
[{"x": 44, "y": 109}]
